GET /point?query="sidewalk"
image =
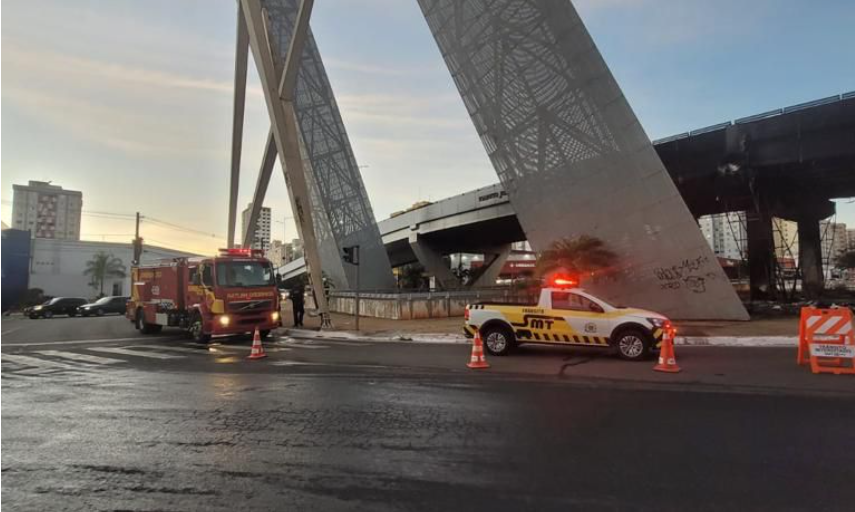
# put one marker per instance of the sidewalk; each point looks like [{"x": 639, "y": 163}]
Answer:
[{"x": 778, "y": 332}]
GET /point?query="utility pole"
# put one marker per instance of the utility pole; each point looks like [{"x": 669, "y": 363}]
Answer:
[{"x": 137, "y": 243}]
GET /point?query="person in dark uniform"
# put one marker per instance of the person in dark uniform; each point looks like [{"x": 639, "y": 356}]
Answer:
[{"x": 297, "y": 304}]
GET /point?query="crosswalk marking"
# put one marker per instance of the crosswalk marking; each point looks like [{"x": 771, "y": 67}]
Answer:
[
  {"x": 135, "y": 353},
  {"x": 81, "y": 357},
  {"x": 37, "y": 371},
  {"x": 184, "y": 350},
  {"x": 297, "y": 344},
  {"x": 34, "y": 361}
]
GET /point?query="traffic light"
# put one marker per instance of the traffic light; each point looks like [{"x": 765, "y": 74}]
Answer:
[{"x": 351, "y": 255}]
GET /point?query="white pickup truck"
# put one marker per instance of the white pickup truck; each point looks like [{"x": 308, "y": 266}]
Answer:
[{"x": 567, "y": 316}]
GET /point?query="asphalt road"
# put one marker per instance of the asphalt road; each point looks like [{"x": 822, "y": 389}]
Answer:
[{"x": 344, "y": 425}]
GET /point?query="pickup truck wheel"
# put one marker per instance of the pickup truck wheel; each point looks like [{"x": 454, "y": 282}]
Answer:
[
  {"x": 498, "y": 340},
  {"x": 196, "y": 330},
  {"x": 632, "y": 345}
]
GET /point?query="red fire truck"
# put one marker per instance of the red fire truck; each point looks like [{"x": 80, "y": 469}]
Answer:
[{"x": 232, "y": 293}]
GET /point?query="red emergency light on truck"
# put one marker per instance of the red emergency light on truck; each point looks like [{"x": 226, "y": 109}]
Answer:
[{"x": 232, "y": 293}]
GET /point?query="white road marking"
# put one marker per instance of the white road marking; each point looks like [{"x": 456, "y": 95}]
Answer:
[
  {"x": 34, "y": 361},
  {"x": 135, "y": 353},
  {"x": 72, "y": 342},
  {"x": 183, "y": 350},
  {"x": 336, "y": 365},
  {"x": 303, "y": 345},
  {"x": 81, "y": 357},
  {"x": 36, "y": 371},
  {"x": 4, "y": 333}
]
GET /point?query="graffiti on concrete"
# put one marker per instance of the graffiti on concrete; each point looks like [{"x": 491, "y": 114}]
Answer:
[{"x": 685, "y": 274}]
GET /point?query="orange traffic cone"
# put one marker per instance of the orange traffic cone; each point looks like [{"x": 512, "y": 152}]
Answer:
[
  {"x": 477, "y": 360},
  {"x": 257, "y": 351},
  {"x": 667, "y": 359}
]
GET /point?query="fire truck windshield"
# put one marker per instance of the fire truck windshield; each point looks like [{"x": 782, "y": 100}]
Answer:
[{"x": 241, "y": 274}]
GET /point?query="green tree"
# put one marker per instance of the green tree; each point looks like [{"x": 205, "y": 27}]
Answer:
[
  {"x": 580, "y": 255},
  {"x": 101, "y": 267},
  {"x": 411, "y": 276}
]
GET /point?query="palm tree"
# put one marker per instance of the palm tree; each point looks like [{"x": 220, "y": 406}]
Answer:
[
  {"x": 581, "y": 255},
  {"x": 101, "y": 267}
]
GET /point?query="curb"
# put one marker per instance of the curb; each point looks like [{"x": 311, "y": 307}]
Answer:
[
  {"x": 456, "y": 339},
  {"x": 737, "y": 341}
]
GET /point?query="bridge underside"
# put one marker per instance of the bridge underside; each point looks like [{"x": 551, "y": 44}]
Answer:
[{"x": 787, "y": 164}]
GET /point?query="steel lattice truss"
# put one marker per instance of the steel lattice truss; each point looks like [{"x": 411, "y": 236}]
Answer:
[
  {"x": 570, "y": 152},
  {"x": 536, "y": 102},
  {"x": 340, "y": 204}
]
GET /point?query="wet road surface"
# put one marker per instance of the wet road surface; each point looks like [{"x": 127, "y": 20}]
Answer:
[{"x": 214, "y": 432}]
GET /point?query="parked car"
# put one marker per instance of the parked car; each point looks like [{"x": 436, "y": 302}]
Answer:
[
  {"x": 104, "y": 305},
  {"x": 57, "y": 306}
]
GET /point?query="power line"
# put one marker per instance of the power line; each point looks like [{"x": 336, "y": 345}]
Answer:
[
  {"x": 179, "y": 227},
  {"x": 166, "y": 245}
]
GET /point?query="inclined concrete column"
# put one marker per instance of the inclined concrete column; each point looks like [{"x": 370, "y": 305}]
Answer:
[
  {"x": 431, "y": 260},
  {"x": 761, "y": 256},
  {"x": 492, "y": 267}
]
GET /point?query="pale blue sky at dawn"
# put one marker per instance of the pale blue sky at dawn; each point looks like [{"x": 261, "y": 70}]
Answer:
[{"x": 131, "y": 101}]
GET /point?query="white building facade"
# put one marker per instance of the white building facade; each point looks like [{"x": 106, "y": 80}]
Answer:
[
  {"x": 57, "y": 266},
  {"x": 835, "y": 241},
  {"x": 47, "y": 211},
  {"x": 726, "y": 234},
  {"x": 262, "y": 230}
]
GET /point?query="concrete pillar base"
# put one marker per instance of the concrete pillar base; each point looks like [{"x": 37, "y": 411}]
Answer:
[
  {"x": 761, "y": 254},
  {"x": 494, "y": 260},
  {"x": 431, "y": 260}
]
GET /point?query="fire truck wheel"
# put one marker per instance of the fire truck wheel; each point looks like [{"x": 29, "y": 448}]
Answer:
[
  {"x": 145, "y": 327},
  {"x": 196, "y": 331}
]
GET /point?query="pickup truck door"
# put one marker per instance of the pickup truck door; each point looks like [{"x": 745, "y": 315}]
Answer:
[{"x": 586, "y": 322}]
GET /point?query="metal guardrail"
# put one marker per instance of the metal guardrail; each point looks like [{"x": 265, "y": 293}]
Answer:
[
  {"x": 758, "y": 117},
  {"x": 814, "y": 103},
  {"x": 671, "y": 138},
  {"x": 708, "y": 129}
]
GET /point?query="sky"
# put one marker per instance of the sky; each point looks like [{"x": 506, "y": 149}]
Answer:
[{"x": 130, "y": 101}]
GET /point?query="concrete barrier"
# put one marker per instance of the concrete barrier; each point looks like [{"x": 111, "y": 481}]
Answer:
[{"x": 417, "y": 305}]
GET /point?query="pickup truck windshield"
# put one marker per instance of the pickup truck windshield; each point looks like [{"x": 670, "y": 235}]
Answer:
[{"x": 241, "y": 274}]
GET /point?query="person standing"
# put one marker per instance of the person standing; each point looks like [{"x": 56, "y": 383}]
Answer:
[{"x": 297, "y": 296}]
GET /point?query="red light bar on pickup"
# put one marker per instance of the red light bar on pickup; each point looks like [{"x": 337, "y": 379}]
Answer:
[{"x": 563, "y": 281}]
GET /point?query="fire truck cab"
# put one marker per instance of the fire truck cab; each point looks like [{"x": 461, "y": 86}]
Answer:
[{"x": 232, "y": 293}]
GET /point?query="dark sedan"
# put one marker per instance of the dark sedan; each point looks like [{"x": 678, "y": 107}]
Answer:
[
  {"x": 57, "y": 306},
  {"x": 104, "y": 306}
]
